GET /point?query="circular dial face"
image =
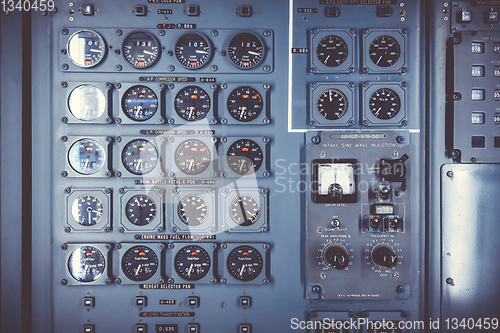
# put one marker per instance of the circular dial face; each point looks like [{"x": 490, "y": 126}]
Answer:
[
  {"x": 141, "y": 49},
  {"x": 193, "y": 51},
  {"x": 244, "y": 104},
  {"x": 192, "y": 157},
  {"x": 193, "y": 210},
  {"x": 384, "y": 51},
  {"x": 244, "y": 263},
  {"x": 87, "y": 210},
  {"x": 192, "y": 103},
  {"x": 140, "y": 210},
  {"x": 86, "y": 102},
  {"x": 86, "y": 156},
  {"x": 192, "y": 262},
  {"x": 246, "y": 50},
  {"x": 86, "y": 264},
  {"x": 332, "y": 51},
  {"x": 244, "y": 210},
  {"x": 385, "y": 103},
  {"x": 332, "y": 104},
  {"x": 244, "y": 157},
  {"x": 86, "y": 48},
  {"x": 139, "y": 103},
  {"x": 139, "y": 263},
  {"x": 139, "y": 156}
]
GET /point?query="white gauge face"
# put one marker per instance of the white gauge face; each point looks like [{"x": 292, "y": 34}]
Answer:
[
  {"x": 86, "y": 48},
  {"x": 336, "y": 174},
  {"x": 87, "y": 102},
  {"x": 86, "y": 264},
  {"x": 87, "y": 156},
  {"x": 87, "y": 210}
]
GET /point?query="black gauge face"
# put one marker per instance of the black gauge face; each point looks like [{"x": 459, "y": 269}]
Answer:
[
  {"x": 141, "y": 49},
  {"x": 86, "y": 102},
  {"x": 86, "y": 48},
  {"x": 245, "y": 210},
  {"x": 192, "y": 263},
  {"x": 384, "y": 51},
  {"x": 192, "y": 157},
  {"x": 332, "y": 104},
  {"x": 87, "y": 210},
  {"x": 139, "y": 263},
  {"x": 139, "y": 103},
  {"x": 244, "y": 263},
  {"x": 86, "y": 264},
  {"x": 246, "y": 50},
  {"x": 139, "y": 156},
  {"x": 332, "y": 51},
  {"x": 86, "y": 156},
  {"x": 193, "y": 210},
  {"x": 244, "y": 104},
  {"x": 385, "y": 103},
  {"x": 140, "y": 210},
  {"x": 244, "y": 157},
  {"x": 192, "y": 103},
  {"x": 193, "y": 51}
]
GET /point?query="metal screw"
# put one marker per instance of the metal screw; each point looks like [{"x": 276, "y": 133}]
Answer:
[
  {"x": 366, "y": 122},
  {"x": 404, "y": 70},
  {"x": 121, "y": 230},
  {"x": 404, "y": 84},
  {"x": 64, "y": 84},
  {"x": 119, "y": 32},
  {"x": 336, "y": 223},
  {"x": 67, "y": 229},
  {"x": 267, "y": 68},
  {"x": 450, "y": 281},
  {"x": 161, "y": 32},
  {"x": 400, "y": 289},
  {"x": 315, "y": 139},
  {"x": 322, "y": 276},
  {"x": 64, "y": 282},
  {"x": 400, "y": 139},
  {"x": 118, "y": 67},
  {"x": 64, "y": 120},
  {"x": 64, "y": 247},
  {"x": 314, "y": 314},
  {"x": 118, "y": 121},
  {"x": 171, "y": 68},
  {"x": 450, "y": 174},
  {"x": 215, "y": 33},
  {"x": 267, "y": 33},
  {"x": 404, "y": 123},
  {"x": 350, "y": 123},
  {"x": 214, "y": 68},
  {"x": 316, "y": 289},
  {"x": 118, "y": 174},
  {"x": 65, "y": 67}
]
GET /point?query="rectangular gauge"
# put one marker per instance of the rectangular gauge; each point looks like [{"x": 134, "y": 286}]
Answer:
[{"x": 334, "y": 181}]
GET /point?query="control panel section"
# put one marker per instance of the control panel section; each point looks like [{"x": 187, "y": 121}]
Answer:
[{"x": 358, "y": 220}]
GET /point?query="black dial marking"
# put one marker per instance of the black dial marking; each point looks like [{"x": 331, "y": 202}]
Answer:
[
  {"x": 193, "y": 51},
  {"x": 246, "y": 50},
  {"x": 193, "y": 210},
  {"x": 139, "y": 263},
  {"x": 244, "y": 263},
  {"x": 140, "y": 210},
  {"x": 245, "y": 104},
  {"x": 244, "y": 156},
  {"x": 332, "y": 51},
  {"x": 385, "y": 103},
  {"x": 139, "y": 103},
  {"x": 141, "y": 49},
  {"x": 384, "y": 51},
  {"x": 139, "y": 156},
  {"x": 192, "y": 103},
  {"x": 192, "y": 263},
  {"x": 87, "y": 210},
  {"x": 332, "y": 104},
  {"x": 192, "y": 157}
]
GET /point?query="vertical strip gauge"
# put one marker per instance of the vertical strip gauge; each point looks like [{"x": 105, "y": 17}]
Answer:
[
  {"x": 86, "y": 156},
  {"x": 86, "y": 48},
  {"x": 141, "y": 49},
  {"x": 193, "y": 51},
  {"x": 86, "y": 102}
]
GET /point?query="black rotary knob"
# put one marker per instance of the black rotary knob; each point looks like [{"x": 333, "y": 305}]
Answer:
[
  {"x": 384, "y": 256},
  {"x": 336, "y": 256}
]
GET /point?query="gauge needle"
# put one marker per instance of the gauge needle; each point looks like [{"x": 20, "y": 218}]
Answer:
[
  {"x": 378, "y": 111},
  {"x": 326, "y": 59},
  {"x": 379, "y": 59},
  {"x": 242, "y": 269},
  {"x": 204, "y": 205},
  {"x": 86, "y": 269},
  {"x": 253, "y": 215},
  {"x": 200, "y": 51},
  {"x": 191, "y": 110},
  {"x": 190, "y": 165},
  {"x": 254, "y": 53},
  {"x": 138, "y": 165},
  {"x": 136, "y": 273},
  {"x": 242, "y": 164},
  {"x": 94, "y": 50},
  {"x": 243, "y": 109},
  {"x": 330, "y": 95},
  {"x": 190, "y": 269},
  {"x": 137, "y": 201},
  {"x": 86, "y": 164},
  {"x": 136, "y": 113},
  {"x": 147, "y": 52},
  {"x": 97, "y": 212},
  {"x": 90, "y": 217}
]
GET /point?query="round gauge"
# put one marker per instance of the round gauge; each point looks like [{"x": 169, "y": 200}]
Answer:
[
  {"x": 86, "y": 102},
  {"x": 244, "y": 263},
  {"x": 244, "y": 104},
  {"x": 192, "y": 262},
  {"x": 384, "y": 51},
  {"x": 86, "y": 156},
  {"x": 193, "y": 51},
  {"x": 87, "y": 210},
  {"x": 140, "y": 210},
  {"x": 192, "y": 103},
  {"x": 244, "y": 157},
  {"x": 141, "y": 49},
  {"x": 385, "y": 103},
  {"x": 139, "y": 263},
  {"x": 139, "y": 103},
  {"x": 244, "y": 210},
  {"x": 86, "y": 48},
  {"x": 246, "y": 50},
  {"x": 332, "y": 51},
  {"x": 86, "y": 264},
  {"x": 139, "y": 156},
  {"x": 192, "y": 157},
  {"x": 332, "y": 104},
  {"x": 193, "y": 210}
]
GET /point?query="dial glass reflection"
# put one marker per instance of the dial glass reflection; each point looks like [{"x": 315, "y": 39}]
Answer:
[
  {"x": 87, "y": 210},
  {"x": 245, "y": 210},
  {"x": 86, "y": 48},
  {"x": 87, "y": 102},
  {"x": 192, "y": 157},
  {"x": 139, "y": 157},
  {"x": 86, "y": 156},
  {"x": 244, "y": 157},
  {"x": 139, "y": 103},
  {"x": 193, "y": 210},
  {"x": 86, "y": 264}
]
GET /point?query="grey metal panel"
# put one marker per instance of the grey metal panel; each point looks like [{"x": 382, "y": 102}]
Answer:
[{"x": 470, "y": 214}]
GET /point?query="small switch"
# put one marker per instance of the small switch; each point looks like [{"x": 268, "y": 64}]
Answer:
[
  {"x": 88, "y": 10},
  {"x": 477, "y": 47},
  {"x": 193, "y": 328},
  {"x": 141, "y": 328},
  {"x": 496, "y": 71},
  {"x": 245, "y": 11},
  {"x": 496, "y": 118},
  {"x": 245, "y": 328},
  {"x": 497, "y": 95},
  {"x": 193, "y": 301},
  {"x": 491, "y": 17},
  {"x": 477, "y": 94},
  {"x": 384, "y": 11},
  {"x": 141, "y": 300},
  {"x": 88, "y": 302},
  {"x": 193, "y": 10},
  {"x": 477, "y": 118},
  {"x": 245, "y": 301},
  {"x": 496, "y": 142},
  {"x": 496, "y": 48},
  {"x": 477, "y": 71},
  {"x": 88, "y": 328},
  {"x": 465, "y": 16},
  {"x": 332, "y": 11},
  {"x": 141, "y": 10},
  {"x": 478, "y": 142}
]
